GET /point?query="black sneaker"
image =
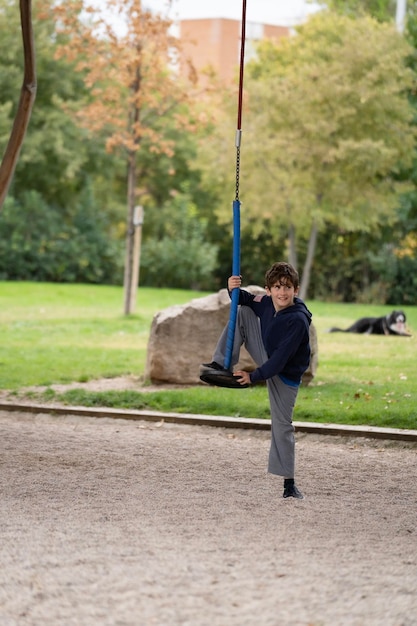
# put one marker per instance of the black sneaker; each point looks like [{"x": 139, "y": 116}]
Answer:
[
  {"x": 213, "y": 366},
  {"x": 291, "y": 491}
]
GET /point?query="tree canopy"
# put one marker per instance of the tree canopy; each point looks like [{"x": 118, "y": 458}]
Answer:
[
  {"x": 328, "y": 125},
  {"x": 328, "y": 149},
  {"x": 133, "y": 92},
  {"x": 381, "y": 10}
]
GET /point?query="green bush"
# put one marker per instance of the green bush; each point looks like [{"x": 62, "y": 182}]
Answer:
[
  {"x": 43, "y": 243},
  {"x": 177, "y": 253},
  {"x": 403, "y": 288}
]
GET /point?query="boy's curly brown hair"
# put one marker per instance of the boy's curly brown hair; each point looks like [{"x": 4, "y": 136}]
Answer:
[{"x": 282, "y": 272}]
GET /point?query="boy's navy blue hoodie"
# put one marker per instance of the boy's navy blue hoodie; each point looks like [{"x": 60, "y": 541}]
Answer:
[{"x": 286, "y": 337}]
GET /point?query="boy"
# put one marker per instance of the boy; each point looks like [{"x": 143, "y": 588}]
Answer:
[{"x": 275, "y": 330}]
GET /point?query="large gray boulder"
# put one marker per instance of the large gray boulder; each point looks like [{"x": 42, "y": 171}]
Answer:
[{"x": 184, "y": 336}]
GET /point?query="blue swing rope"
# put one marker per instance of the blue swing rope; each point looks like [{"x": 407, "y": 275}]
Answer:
[{"x": 236, "y": 205}]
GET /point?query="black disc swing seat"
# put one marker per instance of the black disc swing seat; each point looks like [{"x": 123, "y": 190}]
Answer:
[
  {"x": 217, "y": 375},
  {"x": 220, "y": 378}
]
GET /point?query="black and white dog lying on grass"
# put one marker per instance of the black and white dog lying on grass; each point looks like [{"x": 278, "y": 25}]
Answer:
[{"x": 391, "y": 324}]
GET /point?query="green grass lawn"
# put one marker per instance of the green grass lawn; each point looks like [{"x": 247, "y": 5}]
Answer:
[{"x": 53, "y": 333}]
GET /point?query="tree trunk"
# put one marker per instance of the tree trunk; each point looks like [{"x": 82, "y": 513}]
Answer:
[
  {"x": 292, "y": 250},
  {"x": 309, "y": 261},
  {"x": 27, "y": 98}
]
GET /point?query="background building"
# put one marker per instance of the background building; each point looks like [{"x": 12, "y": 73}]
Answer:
[{"x": 215, "y": 43}]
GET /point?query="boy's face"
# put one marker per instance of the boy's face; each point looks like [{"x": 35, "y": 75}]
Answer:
[{"x": 282, "y": 293}]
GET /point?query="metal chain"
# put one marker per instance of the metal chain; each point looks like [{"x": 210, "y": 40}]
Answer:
[{"x": 237, "y": 172}]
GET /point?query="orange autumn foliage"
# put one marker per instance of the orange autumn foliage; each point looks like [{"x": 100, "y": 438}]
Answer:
[{"x": 130, "y": 73}]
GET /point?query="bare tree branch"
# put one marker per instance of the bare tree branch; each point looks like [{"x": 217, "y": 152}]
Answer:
[{"x": 27, "y": 98}]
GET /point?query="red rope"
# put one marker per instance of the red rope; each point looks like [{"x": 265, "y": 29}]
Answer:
[{"x": 242, "y": 61}]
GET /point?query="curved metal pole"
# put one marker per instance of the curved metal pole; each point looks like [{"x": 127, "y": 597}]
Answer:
[{"x": 27, "y": 98}]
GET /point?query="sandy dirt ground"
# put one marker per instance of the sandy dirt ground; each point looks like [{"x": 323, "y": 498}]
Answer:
[{"x": 128, "y": 523}]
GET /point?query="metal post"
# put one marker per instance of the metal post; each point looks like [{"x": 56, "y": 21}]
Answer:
[
  {"x": 400, "y": 15},
  {"x": 137, "y": 223}
]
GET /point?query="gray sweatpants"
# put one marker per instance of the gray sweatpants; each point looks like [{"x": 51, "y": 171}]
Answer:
[{"x": 282, "y": 397}]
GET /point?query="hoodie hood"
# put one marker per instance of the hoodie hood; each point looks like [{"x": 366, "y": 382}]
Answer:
[{"x": 300, "y": 307}]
